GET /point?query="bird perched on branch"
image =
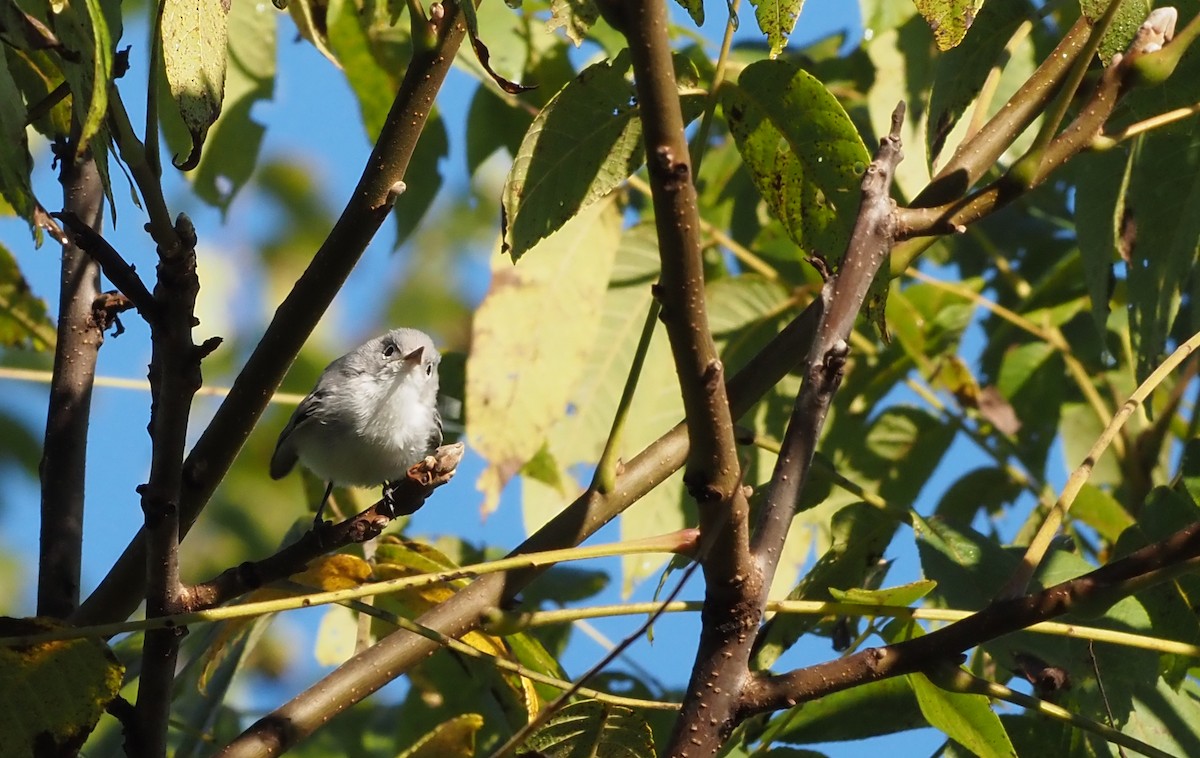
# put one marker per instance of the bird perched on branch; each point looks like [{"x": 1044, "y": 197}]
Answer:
[{"x": 372, "y": 415}]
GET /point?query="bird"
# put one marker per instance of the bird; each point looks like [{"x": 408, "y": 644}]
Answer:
[{"x": 372, "y": 414}]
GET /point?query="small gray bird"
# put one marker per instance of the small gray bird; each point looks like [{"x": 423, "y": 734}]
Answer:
[{"x": 372, "y": 415}]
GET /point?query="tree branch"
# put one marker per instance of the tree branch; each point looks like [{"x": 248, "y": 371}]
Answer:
[
  {"x": 118, "y": 594},
  {"x": 120, "y": 273},
  {"x": 406, "y": 497},
  {"x": 64, "y": 452},
  {"x": 1091, "y": 593},
  {"x": 174, "y": 379}
]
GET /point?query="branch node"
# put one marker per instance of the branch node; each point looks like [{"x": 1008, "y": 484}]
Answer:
[{"x": 395, "y": 191}]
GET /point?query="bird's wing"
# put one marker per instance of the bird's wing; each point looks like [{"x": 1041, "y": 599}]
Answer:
[
  {"x": 284, "y": 457},
  {"x": 435, "y": 436}
]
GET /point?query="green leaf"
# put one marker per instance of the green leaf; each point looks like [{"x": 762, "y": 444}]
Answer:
[
  {"x": 969, "y": 568},
  {"x": 83, "y": 27},
  {"x": 579, "y": 437},
  {"x": 803, "y": 152},
  {"x": 1124, "y": 25},
  {"x": 590, "y": 727},
  {"x": 776, "y": 19},
  {"x": 15, "y": 162},
  {"x": 903, "y": 594},
  {"x": 235, "y": 138},
  {"x": 1100, "y": 187},
  {"x": 195, "y": 51},
  {"x": 492, "y": 125},
  {"x": 582, "y": 145},
  {"x": 860, "y": 535},
  {"x": 960, "y": 73},
  {"x": 949, "y": 19},
  {"x": 988, "y": 489},
  {"x": 37, "y": 75},
  {"x": 52, "y": 694},
  {"x": 898, "y": 454},
  {"x": 1031, "y": 379},
  {"x": 1164, "y": 185},
  {"x": 695, "y": 9},
  {"x": 1080, "y": 428},
  {"x": 1101, "y": 511},
  {"x": 312, "y": 23},
  {"x": 902, "y": 58},
  {"x": 839, "y": 717},
  {"x": 431, "y": 149},
  {"x": 23, "y": 318},
  {"x": 374, "y": 88},
  {"x": 967, "y": 719},
  {"x": 531, "y": 338},
  {"x": 217, "y": 654},
  {"x": 1189, "y": 469}
]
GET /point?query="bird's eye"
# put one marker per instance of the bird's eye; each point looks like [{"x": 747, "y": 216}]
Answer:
[
  {"x": 429, "y": 369},
  {"x": 389, "y": 350}
]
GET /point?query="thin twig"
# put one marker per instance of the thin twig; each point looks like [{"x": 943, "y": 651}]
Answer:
[{"x": 1036, "y": 551}]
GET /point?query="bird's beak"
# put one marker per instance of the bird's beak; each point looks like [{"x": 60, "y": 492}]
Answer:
[{"x": 415, "y": 356}]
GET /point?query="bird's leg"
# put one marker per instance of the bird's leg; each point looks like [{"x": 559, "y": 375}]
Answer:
[{"x": 317, "y": 521}]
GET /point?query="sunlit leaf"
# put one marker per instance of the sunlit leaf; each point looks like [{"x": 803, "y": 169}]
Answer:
[
  {"x": 582, "y": 145},
  {"x": 235, "y": 137},
  {"x": 574, "y": 17},
  {"x": 1124, "y": 26},
  {"x": 967, "y": 719},
  {"x": 949, "y": 19},
  {"x": 23, "y": 317},
  {"x": 805, "y": 155},
  {"x": 52, "y": 694},
  {"x": 959, "y": 74},
  {"x": 452, "y": 739},
  {"x": 595, "y": 728},
  {"x": 531, "y": 338},
  {"x": 195, "y": 52},
  {"x": 776, "y": 19}
]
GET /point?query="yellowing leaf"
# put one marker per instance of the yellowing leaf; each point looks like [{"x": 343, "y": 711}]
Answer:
[
  {"x": 454, "y": 738},
  {"x": 949, "y": 19},
  {"x": 194, "y": 36},
  {"x": 335, "y": 572},
  {"x": 531, "y": 338},
  {"x": 52, "y": 694}
]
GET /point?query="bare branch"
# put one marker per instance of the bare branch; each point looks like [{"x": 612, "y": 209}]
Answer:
[
  {"x": 174, "y": 379},
  {"x": 712, "y": 472},
  {"x": 1090, "y": 593},
  {"x": 120, "y": 273},
  {"x": 64, "y": 453}
]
